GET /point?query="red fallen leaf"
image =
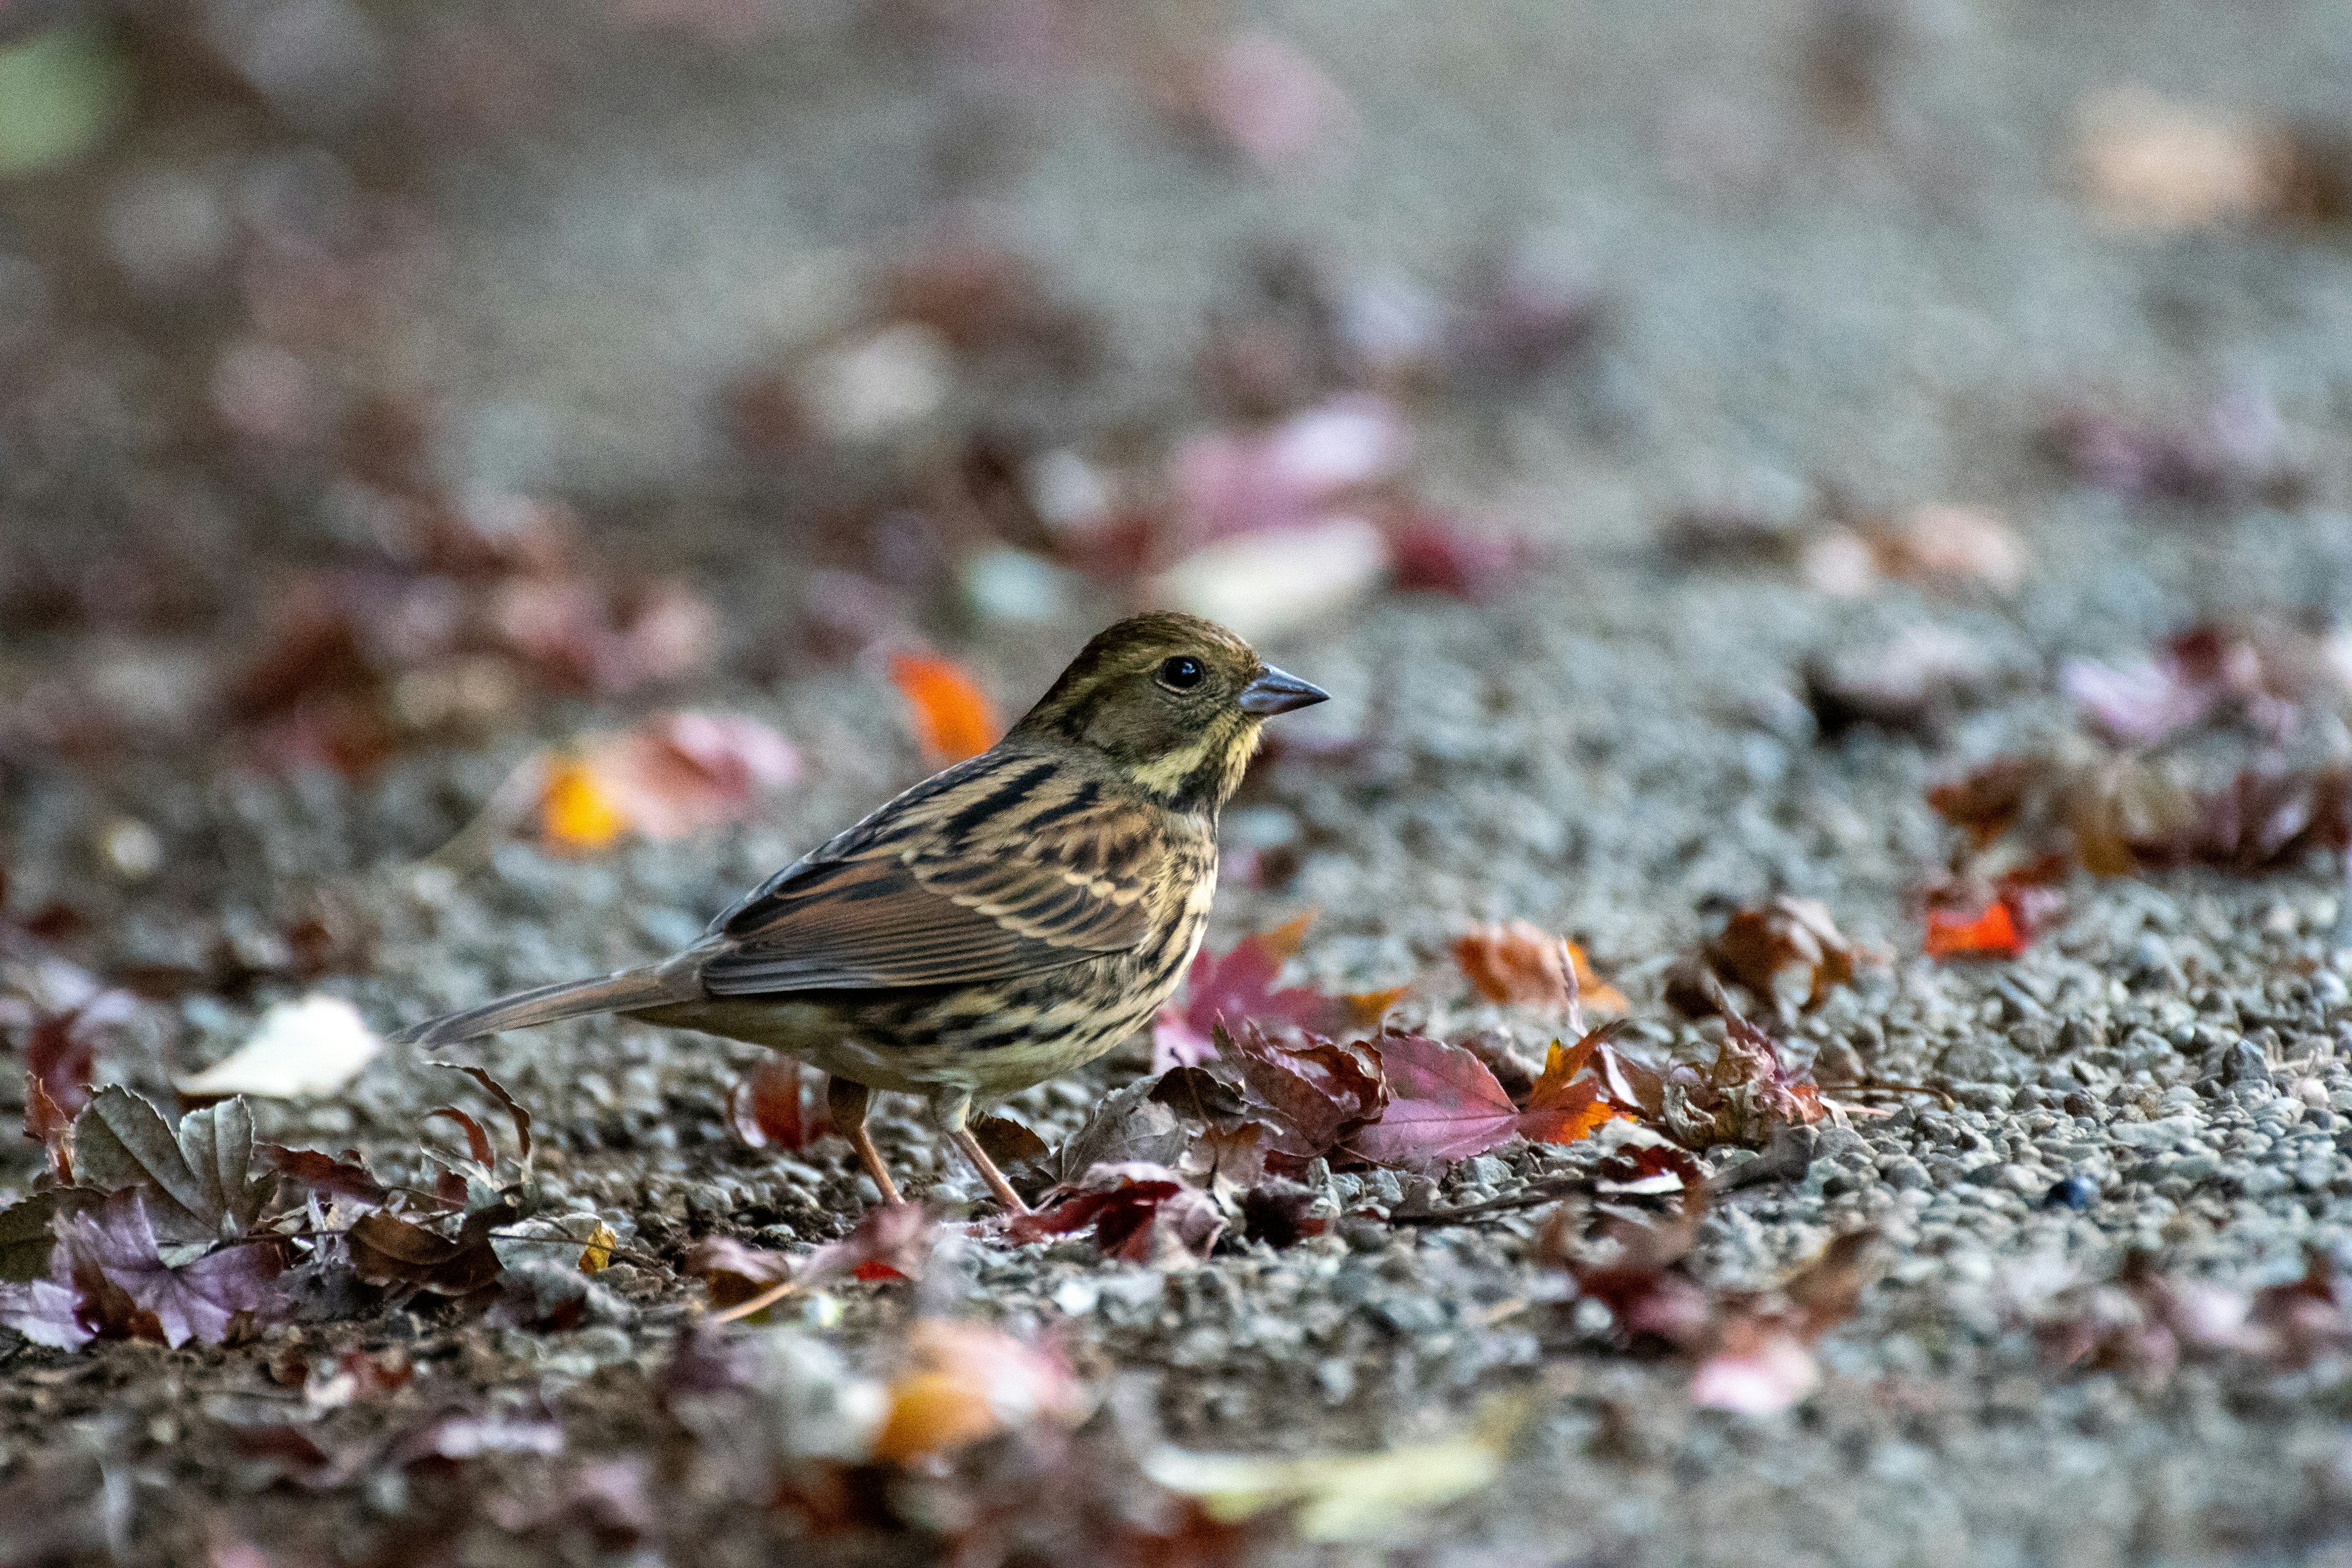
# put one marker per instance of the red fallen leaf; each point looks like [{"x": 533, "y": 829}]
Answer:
[
  {"x": 1316, "y": 1093},
  {"x": 985, "y": 299},
  {"x": 1990, "y": 933},
  {"x": 1238, "y": 986},
  {"x": 895, "y": 1238},
  {"x": 1430, "y": 552},
  {"x": 1757, "y": 1368},
  {"x": 346, "y": 1178},
  {"x": 1519, "y": 963},
  {"x": 1762, "y": 1360},
  {"x": 61, "y": 1047},
  {"x": 1138, "y": 1212},
  {"x": 953, "y": 717},
  {"x": 2263, "y": 673},
  {"x": 766, "y": 1108},
  {"x": 1638, "y": 1274},
  {"x": 47, "y": 1124},
  {"x": 1442, "y": 1105},
  {"x": 1445, "y": 1104},
  {"x": 1300, "y": 473},
  {"x": 2306, "y": 1317},
  {"x": 2233, "y": 449}
]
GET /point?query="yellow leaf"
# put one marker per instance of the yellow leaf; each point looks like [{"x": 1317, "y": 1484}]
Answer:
[
  {"x": 1345, "y": 1496},
  {"x": 576, "y": 812},
  {"x": 597, "y": 1255}
]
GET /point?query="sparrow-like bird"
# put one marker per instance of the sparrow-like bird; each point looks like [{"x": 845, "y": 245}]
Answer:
[{"x": 1003, "y": 922}]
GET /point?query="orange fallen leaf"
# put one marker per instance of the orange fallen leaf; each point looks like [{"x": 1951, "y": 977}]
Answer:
[
  {"x": 1566, "y": 1106},
  {"x": 674, "y": 774},
  {"x": 576, "y": 812},
  {"x": 1991, "y": 932},
  {"x": 1515, "y": 961},
  {"x": 969, "y": 1382},
  {"x": 952, "y": 716}
]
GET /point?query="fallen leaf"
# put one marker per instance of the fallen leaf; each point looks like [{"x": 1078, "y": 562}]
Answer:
[
  {"x": 2234, "y": 449},
  {"x": 1757, "y": 1368},
  {"x": 1238, "y": 986},
  {"x": 198, "y": 1184},
  {"x": 672, "y": 775},
  {"x": 1518, "y": 963},
  {"x": 733, "y": 1272},
  {"x": 1136, "y": 1213},
  {"x": 1339, "y": 1498},
  {"x": 61, "y": 1045},
  {"x": 580, "y": 635},
  {"x": 952, "y": 716},
  {"x": 767, "y": 1109},
  {"x": 969, "y": 1382},
  {"x": 108, "y": 1256},
  {"x": 893, "y": 1238},
  {"x": 300, "y": 1050},
  {"x": 1949, "y": 545},
  {"x": 1277, "y": 580},
  {"x": 1917, "y": 682},
  {"x": 1443, "y": 1104},
  {"x": 1432, "y": 553},
  {"x": 1315, "y": 1093},
  {"x": 1129, "y": 1126},
  {"x": 1637, "y": 1271},
  {"x": 1570, "y": 1101},
  {"x": 577, "y": 813},
  {"x": 1758, "y": 946},
  {"x": 388, "y": 1249},
  {"x": 1264, "y": 100},
  {"x": 2154, "y": 164},
  {"x": 1278, "y": 1213},
  {"x": 1745, "y": 1094},
  {"x": 346, "y": 1179},
  {"x": 47, "y": 1123},
  {"x": 597, "y": 1255},
  {"x": 1988, "y": 932}
]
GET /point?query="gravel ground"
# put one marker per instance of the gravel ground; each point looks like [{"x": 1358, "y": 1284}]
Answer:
[{"x": 1618, "y": 746}]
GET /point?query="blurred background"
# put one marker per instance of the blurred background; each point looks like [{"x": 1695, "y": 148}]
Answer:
[{"x": 370, "y": 373}]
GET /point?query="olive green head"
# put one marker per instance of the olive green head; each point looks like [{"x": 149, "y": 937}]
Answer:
[{"x": 1175, "y": 702}]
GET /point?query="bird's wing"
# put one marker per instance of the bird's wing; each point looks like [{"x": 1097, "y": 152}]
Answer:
[{"x": 1005, "y": 870}]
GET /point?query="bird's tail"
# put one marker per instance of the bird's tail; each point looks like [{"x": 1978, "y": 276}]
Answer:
[{"x": 571, "y": 999}]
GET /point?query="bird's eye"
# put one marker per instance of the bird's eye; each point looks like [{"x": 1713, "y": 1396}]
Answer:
[{"x": 1183, "y": 672}]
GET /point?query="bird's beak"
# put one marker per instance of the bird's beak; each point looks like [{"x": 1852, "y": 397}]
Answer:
[{"x": 1274, "y": 692}]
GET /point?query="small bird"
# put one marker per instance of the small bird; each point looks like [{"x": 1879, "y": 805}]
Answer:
[{"x": 1003, "y": 922}]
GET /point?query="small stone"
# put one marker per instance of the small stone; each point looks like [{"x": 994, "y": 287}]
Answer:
[
  {"x": 2242, "y": 1063},
  {"x": 1906, "y": 1174},
  {"x": 2076, "y": 1192}
]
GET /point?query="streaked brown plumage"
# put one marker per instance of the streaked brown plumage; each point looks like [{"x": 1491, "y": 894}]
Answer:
[{"x": 1000, "y": 924}]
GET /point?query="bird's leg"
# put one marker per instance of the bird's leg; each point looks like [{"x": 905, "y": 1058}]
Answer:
[
  {"x": 952, "y": 1107},
  {"x": 844, "y": 1102}
]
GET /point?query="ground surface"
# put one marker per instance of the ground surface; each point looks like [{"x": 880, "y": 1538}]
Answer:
[{"x": 1888, "y": 313}]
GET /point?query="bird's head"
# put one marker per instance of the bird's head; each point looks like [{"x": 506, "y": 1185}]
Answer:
[{"x": 1175, "y": 704}]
